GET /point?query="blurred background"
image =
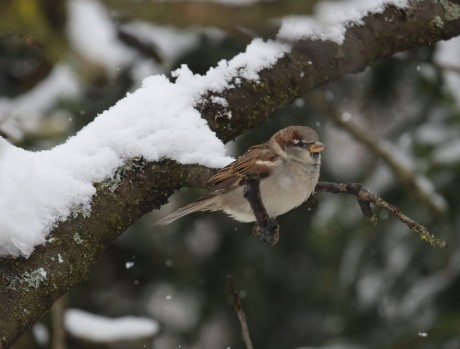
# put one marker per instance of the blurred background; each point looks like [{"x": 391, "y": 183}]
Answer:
[{"x": 334, "y": 280}]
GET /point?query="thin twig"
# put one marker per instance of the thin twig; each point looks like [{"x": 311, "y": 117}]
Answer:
[
  {"x": 241, "y": 315},
  {"x": 365, "y": 198},
  {"x": 402, "y": 173},
  {"x": 265, "y": 229},
  {"x": 57, "y": 321}
]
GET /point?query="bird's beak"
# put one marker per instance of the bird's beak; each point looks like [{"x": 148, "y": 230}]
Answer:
[{"x": 316, "y": 147}]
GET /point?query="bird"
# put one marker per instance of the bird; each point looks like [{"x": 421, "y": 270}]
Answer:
[{"x": 288, "y": 166}]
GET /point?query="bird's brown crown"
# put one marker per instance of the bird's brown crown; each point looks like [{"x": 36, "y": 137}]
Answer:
[{"x": 293, "y": 134}]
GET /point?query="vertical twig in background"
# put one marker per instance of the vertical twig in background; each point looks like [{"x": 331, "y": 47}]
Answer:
[
  {"x": 57, "y": 323},
  {"x": 241, "y": 315}
]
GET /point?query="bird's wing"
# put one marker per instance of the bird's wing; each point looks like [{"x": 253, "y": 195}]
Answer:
[{"x": 232, "y": 175}]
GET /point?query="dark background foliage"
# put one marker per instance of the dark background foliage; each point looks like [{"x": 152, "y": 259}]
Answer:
[{"x": 334, "y": 280}]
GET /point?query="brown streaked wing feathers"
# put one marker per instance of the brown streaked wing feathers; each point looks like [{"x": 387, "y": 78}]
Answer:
[
  {"x": 228, "y": 178},
  {"x": 231, "y": 175}
]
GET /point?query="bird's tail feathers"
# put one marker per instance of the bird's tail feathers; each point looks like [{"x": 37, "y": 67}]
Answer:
[{"x": 183, "y": 211}]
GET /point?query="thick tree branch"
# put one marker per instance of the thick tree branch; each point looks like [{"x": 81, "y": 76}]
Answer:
[
  {"x": 29, "y": 287},
  {"x": 314, "y": 63}
]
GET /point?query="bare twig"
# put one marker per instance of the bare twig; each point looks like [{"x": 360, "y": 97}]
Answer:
[
  {"x": 403, "y": 174},
  {"x": 365, "y": 198},
  {"x": 241, "y": 315},
  {"x": 265, "y": 229},
  {"x": 57, "y": 320}
]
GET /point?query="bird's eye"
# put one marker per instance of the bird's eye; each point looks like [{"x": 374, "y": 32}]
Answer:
[{"x": 301, "y": 144}]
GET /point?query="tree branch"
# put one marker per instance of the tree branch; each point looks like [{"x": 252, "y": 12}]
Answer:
[
  {"x": 241, "y": 315},
  {"x": 265, "y": 229},
  {"x": 313, "y": 63},
  {"x": 403, "y": 174},
  {"x": 365, "y": 198},
  {"x": 29, "y": 287},
  {"x": 57, "y": 320}
]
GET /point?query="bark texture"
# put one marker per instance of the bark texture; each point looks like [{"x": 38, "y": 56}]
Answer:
[
  {"x": 315, "y": 63},
  {"x": 29, "y": 287}
]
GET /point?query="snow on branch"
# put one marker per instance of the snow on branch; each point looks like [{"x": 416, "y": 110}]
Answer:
[
  {"x": 157, "y": 121},
  {"x": 314, "y": 60},
  {"x": 163, "y": 119}
]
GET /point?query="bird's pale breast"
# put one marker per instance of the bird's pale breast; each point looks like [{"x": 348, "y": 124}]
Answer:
[{"x": 282, "y": 191}]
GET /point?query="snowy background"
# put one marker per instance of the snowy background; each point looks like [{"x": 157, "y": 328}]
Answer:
[{"x": 81, "y": 91}]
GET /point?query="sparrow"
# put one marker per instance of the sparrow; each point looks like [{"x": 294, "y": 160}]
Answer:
[{"x": 287, "y": 165}]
